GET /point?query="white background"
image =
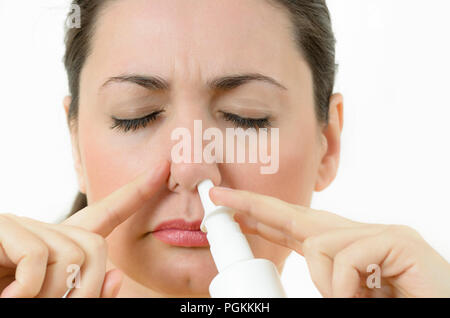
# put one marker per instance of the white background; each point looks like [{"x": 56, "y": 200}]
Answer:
[{"x": 394, "y": 58}]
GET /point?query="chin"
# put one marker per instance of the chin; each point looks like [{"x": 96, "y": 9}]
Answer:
[{"x": 171, "y": 270}]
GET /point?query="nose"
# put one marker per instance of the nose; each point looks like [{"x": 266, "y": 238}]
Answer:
[
  {"x": 191, "y": 119},
  {"x": 186, "y": 176}
]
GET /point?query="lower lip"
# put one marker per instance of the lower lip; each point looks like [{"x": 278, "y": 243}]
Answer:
[{"x": 182, "y": 237}]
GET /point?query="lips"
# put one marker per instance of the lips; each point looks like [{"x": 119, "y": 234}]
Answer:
[{"x": 180, "y": 232}]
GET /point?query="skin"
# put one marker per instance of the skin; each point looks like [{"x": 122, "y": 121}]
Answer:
[
  {"x": 339, "y": 251},
  {"x": 34, "y": 256},
  {"x": 188, "y": 63},
  {"x": 132, "y": 185}
]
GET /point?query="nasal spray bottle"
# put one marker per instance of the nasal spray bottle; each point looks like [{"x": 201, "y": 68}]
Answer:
[{"x": 240, "y": 274}]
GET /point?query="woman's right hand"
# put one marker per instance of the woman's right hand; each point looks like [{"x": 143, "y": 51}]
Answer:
[{"x": 35, "y": 256}]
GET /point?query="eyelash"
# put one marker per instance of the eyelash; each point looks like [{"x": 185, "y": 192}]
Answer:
[
  {"x": 245, "y": 122},
  {"x": 134, "y": 124},
  {"x": 137, "y": 123}
]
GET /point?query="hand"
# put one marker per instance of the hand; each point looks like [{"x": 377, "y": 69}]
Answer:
[
  {"x": 34, "y": 256},
  {"x": 338, "y": 251}
]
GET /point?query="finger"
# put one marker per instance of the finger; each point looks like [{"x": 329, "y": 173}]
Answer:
[
  {"x": 352, "y": 263},
  {"x": 63, "y": 252},
  {"x": 29, "y": 253},
  {"x": 7, "y": 269},
  {"x": 297, "y": 221},
  {"x": 112, "y": 283},
  {"x": 5, "y": 261},
  {"x": 319, "y": 252},
  {"x": 92, "y": 272},
  {"x": 103, "y": 216},
  {"x": 251, "y": 226}
]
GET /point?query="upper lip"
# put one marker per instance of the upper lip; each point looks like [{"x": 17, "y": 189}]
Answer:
[{"x": 179, "y": 224}]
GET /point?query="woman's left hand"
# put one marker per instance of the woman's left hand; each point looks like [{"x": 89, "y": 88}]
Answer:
[{"x": 341, "y": 254}]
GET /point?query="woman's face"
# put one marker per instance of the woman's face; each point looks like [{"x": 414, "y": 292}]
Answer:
[{"x": 188, "y": 43}]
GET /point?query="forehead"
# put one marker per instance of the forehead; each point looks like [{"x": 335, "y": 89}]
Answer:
[{"x": 192, "y": 38}]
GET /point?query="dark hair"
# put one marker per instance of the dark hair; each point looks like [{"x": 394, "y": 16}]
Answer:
[{"x": 312, "y": 33}]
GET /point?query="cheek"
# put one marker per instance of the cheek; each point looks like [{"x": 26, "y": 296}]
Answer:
[
  {"x": 294, "y": 181},
  {"x": 107, "y": 163},
  {"x": 298, "y": 166}
]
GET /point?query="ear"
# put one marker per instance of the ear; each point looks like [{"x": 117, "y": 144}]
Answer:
[
  {"x": 75, "y": 149},
  {"x": 331, "y": 143}
]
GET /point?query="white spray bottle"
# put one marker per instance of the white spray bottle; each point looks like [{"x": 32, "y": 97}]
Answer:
[{"x": 240, "y": 274}]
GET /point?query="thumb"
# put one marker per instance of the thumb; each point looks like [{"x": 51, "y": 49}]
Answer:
[{"x": 111, "y": 284}]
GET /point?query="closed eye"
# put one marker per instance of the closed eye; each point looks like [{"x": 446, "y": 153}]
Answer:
[
  {"x": 246, "y": 122},
  {"x": 134, "y": 124}
]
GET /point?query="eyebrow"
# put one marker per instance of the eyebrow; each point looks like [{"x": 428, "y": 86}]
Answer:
[{"x": 226, "y": 83}]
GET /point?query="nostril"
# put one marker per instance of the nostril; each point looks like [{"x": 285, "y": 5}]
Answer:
[
  {"x": 171, "y": 183},
  {"x": 184, "y": 177}
]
